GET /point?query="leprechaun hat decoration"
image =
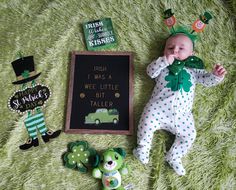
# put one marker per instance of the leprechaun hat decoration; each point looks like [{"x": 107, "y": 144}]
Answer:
[
  {"x": 168, "y": 13},
  {"x": 24, "y": 70},
  {"x": 169, "y": 19},
  {"x": 205, "y": 18},
  {"x": 201, "y": 23}
]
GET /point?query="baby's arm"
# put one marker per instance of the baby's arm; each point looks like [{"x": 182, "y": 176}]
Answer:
[
  {"x": 211, "y": 79},
  {"x": 154, "y": 69}
]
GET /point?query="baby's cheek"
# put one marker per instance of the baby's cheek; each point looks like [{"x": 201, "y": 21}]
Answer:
[
  {"x": 168, "y": 52},
  {"x": 184, "y": 55}
]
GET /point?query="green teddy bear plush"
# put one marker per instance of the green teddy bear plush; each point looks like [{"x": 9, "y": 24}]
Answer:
[{"x": 110, "y": 167}]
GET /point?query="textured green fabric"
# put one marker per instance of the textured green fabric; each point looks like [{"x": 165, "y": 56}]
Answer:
[{"x": 51, "y": 29}]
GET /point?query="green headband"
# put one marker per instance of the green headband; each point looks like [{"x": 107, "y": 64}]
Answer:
[
  {"x": 197, "y": 26},
  {"x": 184, "y": 31}
]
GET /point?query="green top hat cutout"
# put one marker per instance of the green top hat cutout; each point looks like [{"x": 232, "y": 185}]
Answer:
[
  {"x": 205, "y": 18},
  {"x": 168, "y": 13}
]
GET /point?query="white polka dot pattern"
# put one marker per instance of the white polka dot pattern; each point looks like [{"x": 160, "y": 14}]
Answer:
[{"x": 170, "y": 111}]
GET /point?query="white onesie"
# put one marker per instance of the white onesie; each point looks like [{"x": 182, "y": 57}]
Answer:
[{"x": 170, "y": 110}]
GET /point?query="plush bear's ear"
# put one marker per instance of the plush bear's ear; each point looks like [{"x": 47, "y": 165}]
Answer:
[
  {"x": 121, "y": 151},
  {"x": 95, "y": 160}
]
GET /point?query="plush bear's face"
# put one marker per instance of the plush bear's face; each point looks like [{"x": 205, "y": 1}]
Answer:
[{"x": 110, "y": 160}]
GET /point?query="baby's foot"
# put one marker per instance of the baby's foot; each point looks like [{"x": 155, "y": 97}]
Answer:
[
  {"x": 142, "y": 154},
  {"x": 176, "y": 164}
]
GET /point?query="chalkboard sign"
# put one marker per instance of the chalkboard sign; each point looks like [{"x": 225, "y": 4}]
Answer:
[{"x": 100, "y": 98}]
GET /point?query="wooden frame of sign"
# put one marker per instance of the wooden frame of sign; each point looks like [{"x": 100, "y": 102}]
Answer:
[{"x": 100, "y": 98}]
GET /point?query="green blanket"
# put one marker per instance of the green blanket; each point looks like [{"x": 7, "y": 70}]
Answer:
[{"x": 51, "y": 29}]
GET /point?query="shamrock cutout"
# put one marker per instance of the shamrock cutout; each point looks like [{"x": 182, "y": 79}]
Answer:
[
  {"x": 40, "y": 102},
  {"x": 79, "y": 156},
  {"x": 177, "y": 82},
  {"x": 25, "y": 74}
]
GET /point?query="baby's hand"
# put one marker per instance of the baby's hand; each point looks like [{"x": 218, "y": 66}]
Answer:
[
  {"x": 219, "y": 70},
  {"x": 170, "y": 58}
]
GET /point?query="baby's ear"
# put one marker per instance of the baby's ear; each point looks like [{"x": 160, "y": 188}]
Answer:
[{"x": 121, "y": 151}]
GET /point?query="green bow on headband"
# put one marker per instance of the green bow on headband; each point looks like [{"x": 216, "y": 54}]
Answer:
[{"x": 179, "y": 78}]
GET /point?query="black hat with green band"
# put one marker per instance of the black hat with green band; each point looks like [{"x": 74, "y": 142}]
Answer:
[{"x": 24, "y": 70}]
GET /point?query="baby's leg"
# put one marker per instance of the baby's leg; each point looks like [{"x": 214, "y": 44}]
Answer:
[
  {"x": 147, "y": 126},
  {"x": 185, "y": 136}
]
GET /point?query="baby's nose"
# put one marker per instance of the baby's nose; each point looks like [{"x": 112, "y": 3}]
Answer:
[{"x": 175, "y": 50}]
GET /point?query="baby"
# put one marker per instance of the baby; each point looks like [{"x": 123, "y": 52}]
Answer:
[{"x": 176, "y": 74}]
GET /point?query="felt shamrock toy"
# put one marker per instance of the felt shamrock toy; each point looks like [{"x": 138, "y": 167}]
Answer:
[
  {"x": 30, "y": 98},
  {"x": 79, "y": 156},
  {"x": 110, "y": 167}
]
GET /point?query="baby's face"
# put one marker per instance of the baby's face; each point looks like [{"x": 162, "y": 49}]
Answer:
[{"x": 180, "y": 46}]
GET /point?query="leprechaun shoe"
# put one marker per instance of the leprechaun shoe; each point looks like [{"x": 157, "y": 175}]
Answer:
[
  {"x": 30, "y": 142},
  {"x": 50, "y": 135}
]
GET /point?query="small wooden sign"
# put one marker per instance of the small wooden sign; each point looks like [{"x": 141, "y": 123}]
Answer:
[
  {"x": 100, "y": 98},
  {"x": 99, "y": 34}
]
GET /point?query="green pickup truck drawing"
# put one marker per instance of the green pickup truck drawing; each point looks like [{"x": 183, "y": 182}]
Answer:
[{"x": 102, "y": 115}]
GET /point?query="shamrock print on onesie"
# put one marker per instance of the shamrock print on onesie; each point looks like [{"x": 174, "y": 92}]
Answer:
[{"x": 169, "y": 108}]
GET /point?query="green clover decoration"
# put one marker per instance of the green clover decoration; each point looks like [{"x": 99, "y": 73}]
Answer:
[
  {"x": 79, "y": 156},
  {"x": 25, "y": 74}
]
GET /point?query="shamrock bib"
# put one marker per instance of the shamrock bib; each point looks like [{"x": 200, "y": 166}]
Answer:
[{"x": 178, "y": 78}]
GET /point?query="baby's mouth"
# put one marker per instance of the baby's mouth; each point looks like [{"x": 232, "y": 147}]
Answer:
[{"x": 179, "y": 59}]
